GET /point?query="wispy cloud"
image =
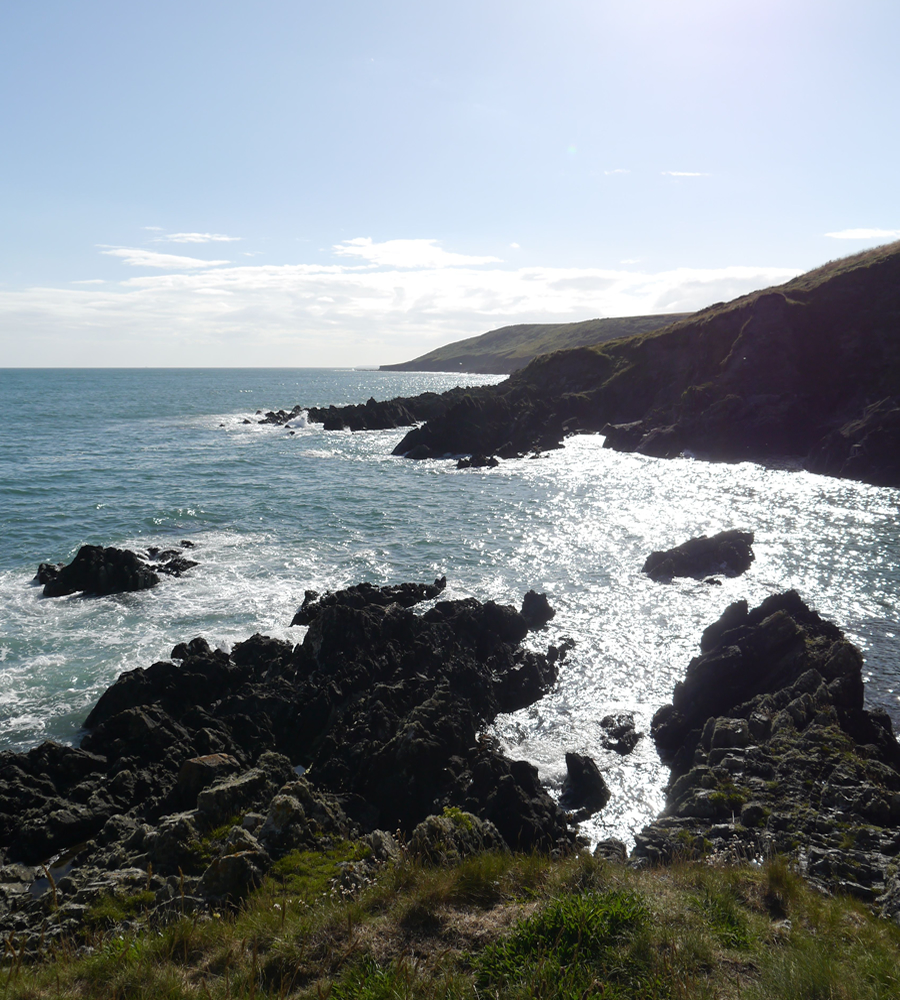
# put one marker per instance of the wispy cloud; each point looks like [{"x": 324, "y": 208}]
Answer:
[
  {"x": 89, "y": 281},
  {"x": 196, "y": 238},
  {"x": 407, "y": 253},
  {"x": 865, "y": 234},
  {"x": 618, "y": 170},
  {"x": 337, "y": 314},
  {"x": 138, "y": 257},
  {"x": 153, "y": 229},
  {"x": 684, "y": 173}
]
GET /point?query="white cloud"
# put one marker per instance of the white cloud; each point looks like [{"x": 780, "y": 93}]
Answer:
[
  {"x": 89, "y": 281},
  {"x": 339, "y": 314},
  {"x": 407, "y": 253},
  {"x": 865, "y": 234},
  {"x": 196, "y": 238},
  {"x": 618, "y": 170},
  {"x": 150, "y": 258},
  {"x": 515, "y": 246},
  {"x": 153, "y": 229},
  {"x": 631, "y": 260},
  {"x": 682, "y": 173}
]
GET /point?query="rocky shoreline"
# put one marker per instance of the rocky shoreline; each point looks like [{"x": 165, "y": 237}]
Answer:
[
  {"x": 199, "y": 772},
  {"x": 807, "y": 373}
]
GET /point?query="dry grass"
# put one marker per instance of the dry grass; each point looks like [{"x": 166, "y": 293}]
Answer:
[{"x": 504, "y": 926}]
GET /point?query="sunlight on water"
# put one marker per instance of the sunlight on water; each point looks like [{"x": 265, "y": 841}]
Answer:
[{"x": 148, "y": 458}]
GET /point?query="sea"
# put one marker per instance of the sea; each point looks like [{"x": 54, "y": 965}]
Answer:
[{"x": 134, "y": 458}]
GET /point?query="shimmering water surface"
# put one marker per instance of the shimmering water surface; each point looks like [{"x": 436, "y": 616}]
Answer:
[{"x": 134, "y": 458}]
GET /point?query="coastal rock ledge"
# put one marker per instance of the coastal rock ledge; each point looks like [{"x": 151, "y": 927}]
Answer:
[
  {"x": 772, "y": 752},
  {"x": 187, "y": 783}
]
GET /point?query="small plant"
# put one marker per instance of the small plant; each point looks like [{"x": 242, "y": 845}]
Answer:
[{"x": 571, "y": 941}]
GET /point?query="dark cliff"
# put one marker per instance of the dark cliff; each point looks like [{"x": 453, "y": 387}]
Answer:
[{"x": 808, "y": 370}]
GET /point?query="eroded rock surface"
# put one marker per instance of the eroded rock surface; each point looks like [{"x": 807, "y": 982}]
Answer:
[
  {"x": 772, "y": 751},
  {"x": 382, "y": 707}
]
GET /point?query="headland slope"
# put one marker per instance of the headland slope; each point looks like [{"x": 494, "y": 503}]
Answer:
[{"x": 502, "y": 351}]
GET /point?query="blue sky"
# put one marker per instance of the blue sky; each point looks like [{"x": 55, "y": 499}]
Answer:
[{"x": 355, "y": 182}]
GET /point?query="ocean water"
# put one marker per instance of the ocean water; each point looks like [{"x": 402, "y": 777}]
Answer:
[{"x": 134, "y": 458}]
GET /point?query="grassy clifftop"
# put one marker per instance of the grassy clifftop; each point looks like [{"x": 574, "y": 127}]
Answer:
[
  {"x": 506, "y": 926},
  {"x": 502, "y": 351}
]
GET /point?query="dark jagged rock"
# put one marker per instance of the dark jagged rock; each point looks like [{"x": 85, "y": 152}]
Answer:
[
  {"x": 728, "y": 552},
  {"x": 484, "y": 423},
  {"x": 536, "y": 610},
  {"x": 47, "y": 572},
  {"x": 174, "y": 566},
  {"x": 101, "y": 571},
  {"x": 865, "y": 448},
  {"x": 368, "y": 595},
  {"x": 762, "y": 652},
  {"x": 584, "y": 789},
  {"x": 773, "y": 752},
  {"x": 621, "y": 735},
  {"x": 383, "y": 707}
]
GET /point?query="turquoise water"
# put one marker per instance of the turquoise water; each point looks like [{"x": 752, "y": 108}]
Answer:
[{"x": 140, "y": 457}]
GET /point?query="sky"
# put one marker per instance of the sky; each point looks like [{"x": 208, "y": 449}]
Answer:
[{"x": 288, "y": 183}]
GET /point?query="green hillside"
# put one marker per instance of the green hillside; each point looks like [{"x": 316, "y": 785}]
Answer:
[{"x": 502, "y": 351}]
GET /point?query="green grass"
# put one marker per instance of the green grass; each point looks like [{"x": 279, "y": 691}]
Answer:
[
  {"x": 512, "y": 347},
  {"x": 497, "y": 926}
]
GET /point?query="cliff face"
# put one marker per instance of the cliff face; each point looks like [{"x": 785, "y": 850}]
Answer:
[{"x": 809, "y": 370}]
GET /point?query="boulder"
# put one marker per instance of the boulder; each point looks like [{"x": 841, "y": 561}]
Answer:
[
  {"x": 584, "y": 791},
  {"x": 454, "y": 835},
  {"x": 101, "y": 571},
  {"x": 198, "y": 773},
  {"x": 620, "y": 733},
  {"x": 536, "y": 610},
  {"x": 231, "y": 877},
  {"x": 728, "y": 552}
]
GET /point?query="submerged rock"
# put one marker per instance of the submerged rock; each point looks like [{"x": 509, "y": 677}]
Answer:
[
  {"x": 728, "y": 552},
  {"x": 478, "y": 461},
  {"x": 621, "y": 735}
]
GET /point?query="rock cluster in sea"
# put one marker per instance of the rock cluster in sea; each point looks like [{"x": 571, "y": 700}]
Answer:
[
  {"x": 102, "y": 571},
  {"x": 186, "y": 786}
]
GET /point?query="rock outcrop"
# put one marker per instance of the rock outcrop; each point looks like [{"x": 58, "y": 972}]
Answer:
[
  {"x": 101, "y": 571},
  {"x": 728, "y": 552},
  {"x": 772, "y": 751},
  {"x": 364, "y": 595},
  {"x": 381, "y": 706}
]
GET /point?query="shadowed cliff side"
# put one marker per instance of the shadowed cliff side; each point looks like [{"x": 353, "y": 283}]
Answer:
[{"x": 809, "y": 370}]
